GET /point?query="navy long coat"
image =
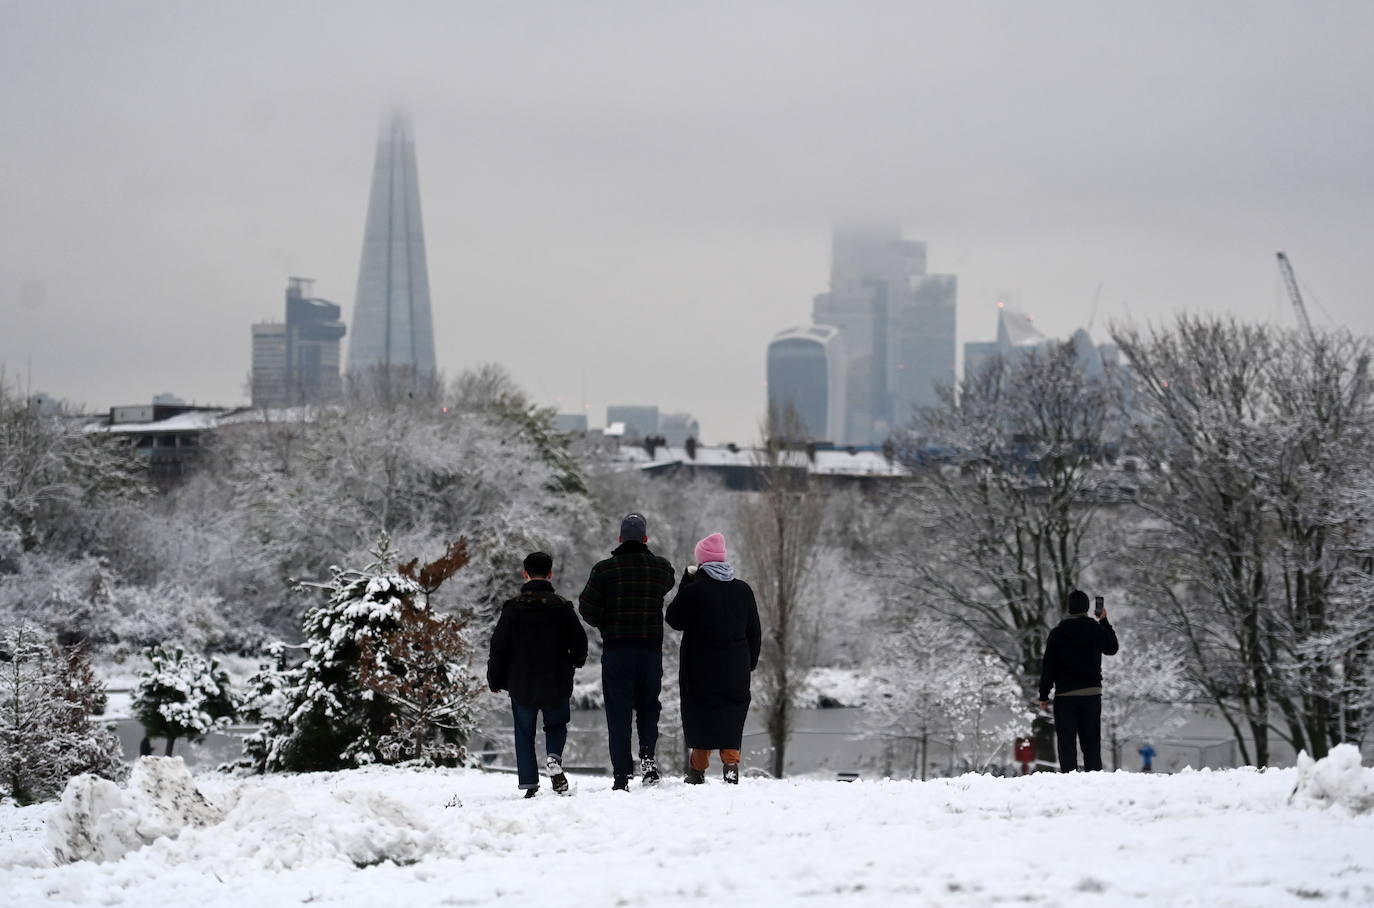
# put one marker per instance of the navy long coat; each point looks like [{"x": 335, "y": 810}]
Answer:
[{"x": 721, "y": 639}]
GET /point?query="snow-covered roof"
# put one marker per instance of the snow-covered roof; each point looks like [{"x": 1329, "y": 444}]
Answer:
[{"x": 827, "y": 462}]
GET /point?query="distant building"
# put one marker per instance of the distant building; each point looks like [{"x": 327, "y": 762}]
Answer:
[
  {"x": 392, "y": 324},
  {"x": 807, "y": 372},
  {"x": 297, "y": 361},
  {"x": 45, "y": 404},
  {"x": 167, "y": 437},
  {"x": 1018, "y": 337},
  {"x": 676, "y": 428},
  {"x": 1016, "y": 334},
  {"x": 640, "y": 421},
  {"x": 898, "y": 325},
  {"x": 268, "y": 383},
  {"x": 570, "y": 422},
  {"x": 313, "y": 331}
]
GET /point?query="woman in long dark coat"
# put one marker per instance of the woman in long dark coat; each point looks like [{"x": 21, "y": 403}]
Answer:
[{"x": 721, "y": 640}]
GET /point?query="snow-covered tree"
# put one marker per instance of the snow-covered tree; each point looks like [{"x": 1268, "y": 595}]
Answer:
[
  {"x": 995, "y": 534},
  {"x": 1255, "y": 554},
  {"x": 927, "y": 688},
  {"x": 780, "y": 529},
  {"x": 48, "y": 698},
  {"x": 385, "y": 678},
  {"x": 1147, "y": 689},
  {"x": 182, "y": 695}
]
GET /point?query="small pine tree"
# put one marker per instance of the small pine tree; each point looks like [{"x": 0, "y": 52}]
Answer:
[
  {"x": 48, "y": 696},
  {"x": 385, "y": 678},
  {"x": 182, "y": 696}
]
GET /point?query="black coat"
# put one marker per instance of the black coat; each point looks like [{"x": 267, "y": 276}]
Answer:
[
  {"x": 537, "y": 644},
  {"x": 1073, "y": 654},
  {"x": 721, "y": 639}
]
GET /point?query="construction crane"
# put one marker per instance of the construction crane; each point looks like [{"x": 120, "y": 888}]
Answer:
[
  {"x": 1294, "y": 295},
  {"x": 1361, "y": 374},
  {"x": 1092, "y": 313}
]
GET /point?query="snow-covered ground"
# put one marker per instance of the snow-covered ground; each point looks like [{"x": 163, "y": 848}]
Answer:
[{"x": 424, "y": 837}]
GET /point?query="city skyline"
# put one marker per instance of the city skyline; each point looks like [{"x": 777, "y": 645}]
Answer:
[{"x": 617, "y": 222}]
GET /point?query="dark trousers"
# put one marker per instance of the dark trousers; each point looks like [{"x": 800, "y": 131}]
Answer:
[
  {"x": 555, "y": 736},
  {"x": 1078, "y": 721},
  {"x": 630, "y": 683}
]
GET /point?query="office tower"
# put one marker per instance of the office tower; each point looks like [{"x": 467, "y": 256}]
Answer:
[
  {"x": 807, "y": 372},
  {"x": 268, "y": 383},
  {"x": 392, "y": 326},
  {"x": 569, "y": 423},
  {"x": 640, "y": 421},
  {"x": 898, "y": 325},
  {"x": 676, "y": 428},
  {"x": 1017, "y": 336},
  {"x": 297, "y": 361},
  {"x": 313, "y": 332}
]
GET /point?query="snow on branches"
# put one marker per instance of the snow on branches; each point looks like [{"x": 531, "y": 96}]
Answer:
[
  {"x": 385, "y": 678},
  {"x": 48, "y": 696},
  {"x": 182, "y": 695}
]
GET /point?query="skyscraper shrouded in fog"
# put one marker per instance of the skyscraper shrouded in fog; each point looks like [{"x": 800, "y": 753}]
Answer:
[
  {"x": 392, "y": 326},
  {"x": 898, "y": 325},
  {"x": 806, "y": 372}
]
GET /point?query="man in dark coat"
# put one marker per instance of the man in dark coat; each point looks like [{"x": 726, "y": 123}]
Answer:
[
  {"x": 1073, "y": 667},
  {"x": 624, "y": 599},
  {"x": 721, "y": 641},
  {"x": 537, "y": 645}
]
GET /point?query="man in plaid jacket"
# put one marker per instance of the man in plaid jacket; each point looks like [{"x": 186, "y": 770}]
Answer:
[{"x": 623, "y": 598}]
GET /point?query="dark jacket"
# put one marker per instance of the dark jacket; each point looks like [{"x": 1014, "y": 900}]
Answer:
[
  {"x": 721, "y": 639},
  {"x": 1073, "y": 654},
  {"x": 537, "y": 644},
  {"x": 624, "y": 597}
]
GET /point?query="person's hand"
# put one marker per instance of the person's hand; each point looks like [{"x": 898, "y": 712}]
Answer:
[{"x": 1044, "y": 704}]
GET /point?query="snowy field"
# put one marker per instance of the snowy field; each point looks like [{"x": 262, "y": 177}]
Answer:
[{"x": 410, "y": 837}]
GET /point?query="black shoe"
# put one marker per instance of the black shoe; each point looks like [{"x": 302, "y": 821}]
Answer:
[
  {"x": 731, "y": 773},
  {"x": 648, "y": 770},
  {"x": 530, "y": 792},
  {"x": 694, "y": 777},
  {"x": 621, "y": 783},
  {"x": 557, "y": 778}
]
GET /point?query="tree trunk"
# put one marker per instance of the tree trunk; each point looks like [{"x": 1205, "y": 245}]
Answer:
[{"x": 171, "y": 740}]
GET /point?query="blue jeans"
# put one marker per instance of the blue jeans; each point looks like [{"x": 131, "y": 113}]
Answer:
[
  {"x": 630, "y": 683},
  {"x": 555, "y": 736}
]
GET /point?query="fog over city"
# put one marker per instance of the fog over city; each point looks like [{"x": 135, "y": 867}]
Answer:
[{"x": 623, "y": 203}]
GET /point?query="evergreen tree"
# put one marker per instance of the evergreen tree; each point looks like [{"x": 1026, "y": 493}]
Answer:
[
  {"x": 48, "y": 696},
  {"x": 182, "y": 696}
]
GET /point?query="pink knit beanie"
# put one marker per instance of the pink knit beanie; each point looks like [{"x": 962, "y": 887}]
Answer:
[{"x": 712, "y": 548}]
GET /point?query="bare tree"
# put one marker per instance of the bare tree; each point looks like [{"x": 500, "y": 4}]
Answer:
[
  {"x": 780, "y": 527},
  {"x": 1256, "y": 557},
  {"x": 1001, "y": 524}
]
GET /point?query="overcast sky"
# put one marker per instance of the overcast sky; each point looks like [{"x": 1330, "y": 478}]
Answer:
[{"x": 624, "y": 202}]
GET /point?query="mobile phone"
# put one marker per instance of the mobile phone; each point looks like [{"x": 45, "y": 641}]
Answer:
[{"x": 1098, "y": 608}]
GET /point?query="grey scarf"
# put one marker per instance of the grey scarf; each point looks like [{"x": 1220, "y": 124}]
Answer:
[{"x": 719, "y": 570}]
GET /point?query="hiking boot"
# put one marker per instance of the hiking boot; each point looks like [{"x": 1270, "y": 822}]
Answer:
[
  {"x": 557, "y": 778},
  {"x": 648, "y": 770},
  {"x": 621, "y": 783},
  {"x": 694, "y": 777},
  {"x": 731, "y": 773},
  {"x": 530, "y": 792}
]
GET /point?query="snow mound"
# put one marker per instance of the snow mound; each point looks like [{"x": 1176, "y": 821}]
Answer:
[
  {"x": 99, "y": 822},
  {"x": 266, "y": 828},
  {"x": 1337, "y": 778},
  {"x": 163, "y": 811}
]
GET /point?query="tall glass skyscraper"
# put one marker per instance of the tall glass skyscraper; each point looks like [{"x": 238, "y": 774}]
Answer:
[{"x": 392, "y": 326}]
